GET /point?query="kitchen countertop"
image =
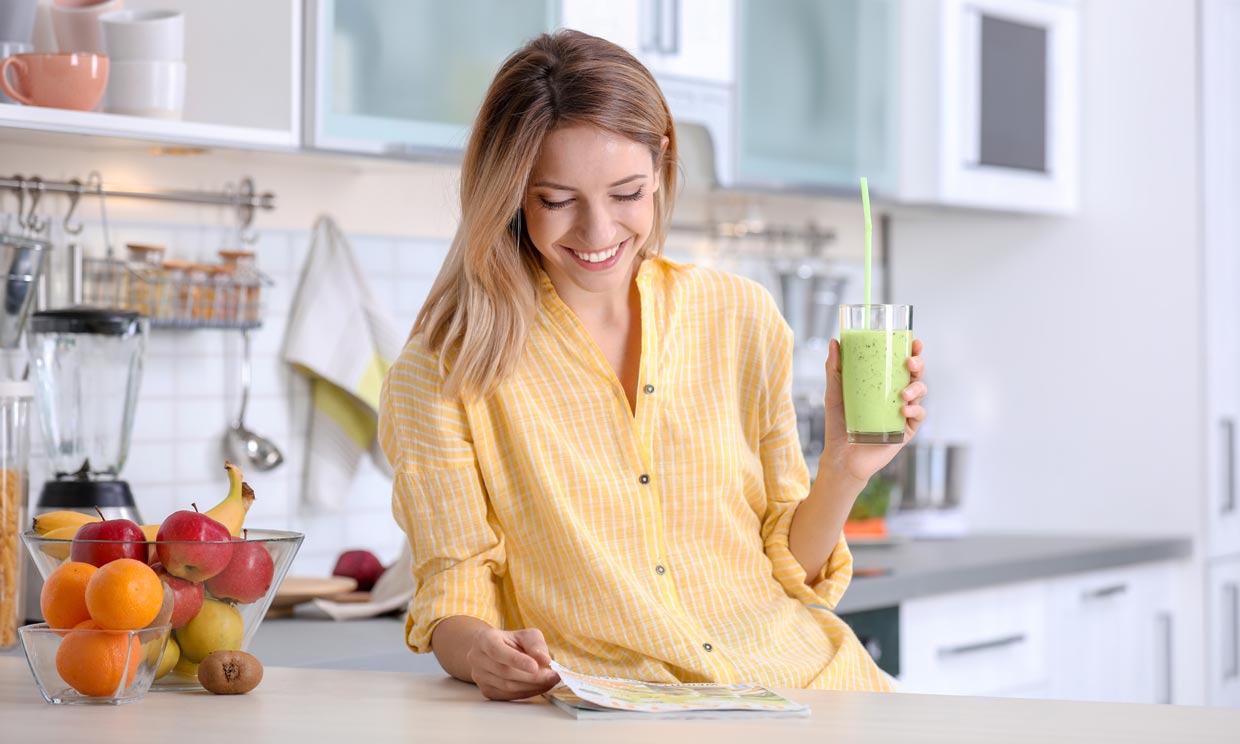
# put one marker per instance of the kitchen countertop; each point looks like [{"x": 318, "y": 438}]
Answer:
[
  {"x": 920, "y": 568},
  {"x": 313, "y": 705}
]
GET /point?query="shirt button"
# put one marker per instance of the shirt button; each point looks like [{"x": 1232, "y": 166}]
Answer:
[
  {"x": 708, "y": 647},
  {"x": 649, "y": 389},
  {"x": 644, "y": 479},
  {"x": 660, "y": 570}
]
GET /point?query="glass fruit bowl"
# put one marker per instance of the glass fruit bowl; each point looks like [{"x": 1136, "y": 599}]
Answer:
[
  {"x": 89, "y": 665},
  {"x": 220, "y": 589}
]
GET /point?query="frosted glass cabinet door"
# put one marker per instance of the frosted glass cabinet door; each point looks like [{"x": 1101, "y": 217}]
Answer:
[
  {"x": 408, "y": 76},
  {"x": 816, "y": 92}
]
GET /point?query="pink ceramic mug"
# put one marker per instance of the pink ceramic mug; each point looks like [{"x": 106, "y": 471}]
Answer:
[{"x": 66, "y": 80}]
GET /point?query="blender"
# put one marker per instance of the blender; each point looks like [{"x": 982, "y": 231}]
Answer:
[{"x": 86, "y": 364}]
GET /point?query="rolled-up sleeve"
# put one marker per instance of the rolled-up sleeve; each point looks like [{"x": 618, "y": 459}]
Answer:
[
  {"x": 786, "y": 475},
  {"x": 439, "y": 500}
]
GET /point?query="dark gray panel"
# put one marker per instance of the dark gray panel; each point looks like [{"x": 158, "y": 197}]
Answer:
[{"x": 1013, "y": 100}]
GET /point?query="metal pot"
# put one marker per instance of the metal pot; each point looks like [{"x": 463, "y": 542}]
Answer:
[{"x": 929, "y": 475}]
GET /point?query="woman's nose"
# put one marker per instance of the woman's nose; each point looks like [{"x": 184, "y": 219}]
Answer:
[{"x": 595, "y": 227}]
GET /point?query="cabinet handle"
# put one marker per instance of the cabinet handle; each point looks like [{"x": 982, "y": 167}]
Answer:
[
  {"x": 1164, "y": 695},
  {"x": 652, "y": 27},
  {"x": 1104, "y": 592},
  {"x": 970, "y": 648},
  {"x": 673, "y": 16},
  {"x": 1229, "y": 465},
  {"x": 1231, "y": 637}
]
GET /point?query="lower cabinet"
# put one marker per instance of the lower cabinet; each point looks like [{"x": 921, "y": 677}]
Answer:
[
  {"x": 1223, "y": 622},
  {"x": 1103, "y": 635}
]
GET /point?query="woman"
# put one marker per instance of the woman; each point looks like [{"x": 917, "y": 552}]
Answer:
[{"x": 596, "y": 450}]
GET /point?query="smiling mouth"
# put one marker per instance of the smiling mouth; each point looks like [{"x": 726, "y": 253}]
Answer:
[{"x": 596, "y": 257}]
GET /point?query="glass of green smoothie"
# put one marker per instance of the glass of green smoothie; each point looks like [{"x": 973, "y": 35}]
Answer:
[{"x": 875, "y": 344}]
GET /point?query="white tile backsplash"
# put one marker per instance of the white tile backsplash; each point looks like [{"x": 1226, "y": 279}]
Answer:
[{"x": 190, "y": 394}]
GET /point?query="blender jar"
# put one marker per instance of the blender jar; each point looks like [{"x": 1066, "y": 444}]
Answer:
[
  {"x": 87, "y": 366},
  {"x": 15, "y": 398}
]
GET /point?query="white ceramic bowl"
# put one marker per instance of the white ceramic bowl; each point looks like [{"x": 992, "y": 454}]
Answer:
[
  {"x": 146, "y": 88},
  {"x": 143, "y": 35}
]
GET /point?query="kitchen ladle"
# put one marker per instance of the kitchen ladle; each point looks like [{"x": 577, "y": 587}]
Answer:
[{"x": 242, "y": 444}]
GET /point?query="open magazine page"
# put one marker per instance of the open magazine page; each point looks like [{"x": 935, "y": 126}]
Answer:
[{"x": 610, "y": 693}]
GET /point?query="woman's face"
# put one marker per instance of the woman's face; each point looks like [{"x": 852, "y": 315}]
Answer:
[{"x": 590, "y": 207}]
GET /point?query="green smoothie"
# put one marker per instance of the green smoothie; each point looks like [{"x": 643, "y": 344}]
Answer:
[{"x": 875, "y": 369}]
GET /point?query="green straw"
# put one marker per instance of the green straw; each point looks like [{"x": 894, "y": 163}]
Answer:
[{"x": 865, "y": 207}]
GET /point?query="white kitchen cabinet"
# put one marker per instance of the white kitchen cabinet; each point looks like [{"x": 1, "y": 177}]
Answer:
[
  {"x": 1223, "y": 647},
  {"x": 989, "y": 641},
  {"x": 686, "y": 39},
  {"x": 989, "y": 104},
  {"x": 242, "y": 89},
  {"x": 1112, "y": 635},
  {"x": 815, "y": 94},
  {"x": 406, "y": 77},
  {"x": 1220, "y": 118}
]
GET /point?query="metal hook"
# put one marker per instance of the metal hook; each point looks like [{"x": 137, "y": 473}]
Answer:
[
  {"x": 32, "y": 220},
  {"x": 74, "y": 198},
  {"x": 244, "y": 201},
  {"x": 21, "y": 200}
]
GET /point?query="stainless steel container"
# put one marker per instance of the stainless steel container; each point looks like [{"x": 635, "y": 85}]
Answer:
[{"x": 929, "y": 475}]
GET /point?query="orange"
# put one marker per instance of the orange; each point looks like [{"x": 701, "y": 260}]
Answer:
[
  {"x": 63, "y": 599},
  {"x": 93, "y": 662},
  {"x": 124, "y": 594}
]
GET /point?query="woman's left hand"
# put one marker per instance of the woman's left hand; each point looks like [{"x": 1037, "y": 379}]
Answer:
[{"x": 861, "y": 461}]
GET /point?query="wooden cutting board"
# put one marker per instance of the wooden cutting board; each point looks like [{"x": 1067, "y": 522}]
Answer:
[{"x": 297, "y": 589}]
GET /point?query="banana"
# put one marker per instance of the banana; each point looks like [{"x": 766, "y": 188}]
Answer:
[
  {"x": 59, "y": 550},
  {"x": 149, "y": 531},
  {"x": 231, "y": 511},
  {"x": 45, "y": 523}
]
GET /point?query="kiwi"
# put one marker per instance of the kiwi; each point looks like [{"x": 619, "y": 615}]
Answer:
[{"x": 230, "y": 672}]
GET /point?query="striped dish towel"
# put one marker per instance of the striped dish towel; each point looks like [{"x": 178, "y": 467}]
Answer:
[{"x": 343, "y": 340}]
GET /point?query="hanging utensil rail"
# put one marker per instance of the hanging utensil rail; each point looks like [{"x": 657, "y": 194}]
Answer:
[{"x": 245, "y": 199}]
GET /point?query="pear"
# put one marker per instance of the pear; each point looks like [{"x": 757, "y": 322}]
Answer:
[
  {"x": 216, "y": 627},
  {"x": 170, "y": 660}
]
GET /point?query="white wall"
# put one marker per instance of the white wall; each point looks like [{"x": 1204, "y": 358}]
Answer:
[{"x": 1068, "y": 352}]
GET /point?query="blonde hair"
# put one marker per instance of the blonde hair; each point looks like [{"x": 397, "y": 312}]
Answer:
[{"x": 480, "y": 309}]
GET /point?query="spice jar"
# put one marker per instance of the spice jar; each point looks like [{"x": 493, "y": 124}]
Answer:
[
  {"x": 15, "y": 396},
  {"x": 181, "y": 294},
  {"x": 226, "y": 293},
  {"x": 200, "y": 276},
  {"x": 249, "y": 283},
  {"x": 146, "y": 281}
]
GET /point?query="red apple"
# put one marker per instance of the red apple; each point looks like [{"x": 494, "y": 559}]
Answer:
[
  {"x": 193, "y": 546},
  {"x": 128, "y": 537},
  {"x": 248, "y": 575},
  {"x": 186, "y": 594},
  {"x": 361, "y": 565}
]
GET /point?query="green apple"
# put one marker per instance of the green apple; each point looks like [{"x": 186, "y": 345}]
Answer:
[{"x": 216, "y": 627}]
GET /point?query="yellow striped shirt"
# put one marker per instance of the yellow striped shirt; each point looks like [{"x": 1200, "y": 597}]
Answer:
[{"x": 649, "y": 544}]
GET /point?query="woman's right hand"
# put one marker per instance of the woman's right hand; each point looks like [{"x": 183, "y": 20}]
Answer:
[{"x": 510, "y": 664}]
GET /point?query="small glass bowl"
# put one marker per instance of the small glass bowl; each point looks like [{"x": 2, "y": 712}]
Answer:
[{"x": 42, "y": 645}]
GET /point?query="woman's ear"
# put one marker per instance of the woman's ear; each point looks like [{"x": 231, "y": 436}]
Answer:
[{"x": 658, "y": 163}]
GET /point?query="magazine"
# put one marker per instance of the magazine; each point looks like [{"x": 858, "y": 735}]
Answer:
[{"x": 585, "y": 696}]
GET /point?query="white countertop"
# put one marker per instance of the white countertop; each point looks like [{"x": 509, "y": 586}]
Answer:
[{"x": 324, "y": 705}]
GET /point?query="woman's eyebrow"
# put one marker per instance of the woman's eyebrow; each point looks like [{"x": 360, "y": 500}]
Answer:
[{"x": 560, "y": 187}]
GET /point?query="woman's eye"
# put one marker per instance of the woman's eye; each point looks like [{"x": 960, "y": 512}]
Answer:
[
  {"x": 630, "y": 197},
  {"x": 555, "y": 205}
]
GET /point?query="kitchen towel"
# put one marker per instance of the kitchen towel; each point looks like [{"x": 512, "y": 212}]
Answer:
[{"x": 343, "y": 340}]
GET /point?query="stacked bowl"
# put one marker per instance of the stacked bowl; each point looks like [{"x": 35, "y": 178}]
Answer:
[{"x": 147, "y": 53}]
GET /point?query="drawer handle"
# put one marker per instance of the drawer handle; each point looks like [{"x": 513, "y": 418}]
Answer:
[
  {"x": 1229, "y": 466},
  {"x": 1104, "y": 592},
  {"x": 970, "y": 648},
  {"x": 1231, "y": 637}
]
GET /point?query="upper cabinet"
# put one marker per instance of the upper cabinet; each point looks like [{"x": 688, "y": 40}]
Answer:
[
  {"x": 815, "y": 94},
  {"x": 406, "y": 77},
  {"x": 693, "y": 40},
  {"x": 989, "y": 103},
  {"x": 240, "y": 81}
]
